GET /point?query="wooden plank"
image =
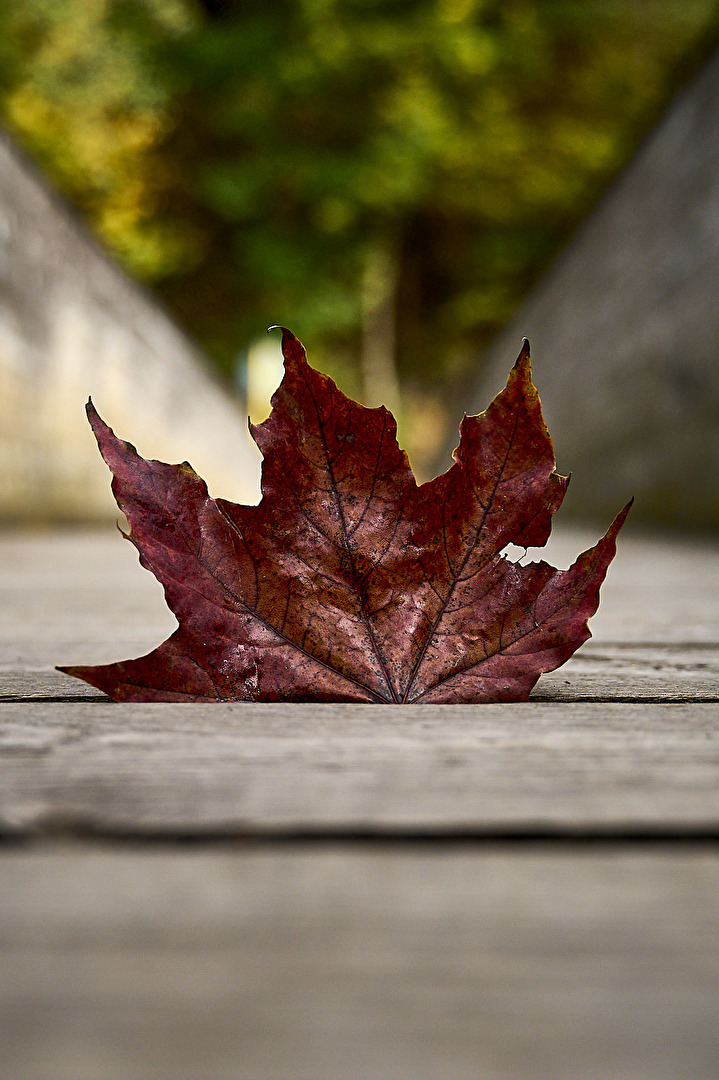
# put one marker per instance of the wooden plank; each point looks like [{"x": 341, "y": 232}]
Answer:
[
  {"x": 607, "y": 671},
  {"x": 355, "y": 964},
  {"x": 76, "y": 594},
  {"x": 635, "y": 671},
  {"x": 658, "y": 589},
  {"x": 34, "y": 682},
  {"x": 81, "y": 597},
  {"x": 228, "y": 769}
]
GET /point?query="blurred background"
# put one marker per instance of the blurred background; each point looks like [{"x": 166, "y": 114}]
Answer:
[{"x": 410, "y": 185}]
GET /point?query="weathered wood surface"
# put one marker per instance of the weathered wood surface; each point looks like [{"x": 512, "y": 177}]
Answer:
[
  {"x": 252, "y": 953},
  {"x": 82, "y": 598},
  {"x": 601, "y": 671},
  {"x": 234, "y": 769},
  {"x": 349, "y": 964},
  {"x": 73, "y": 597},
  {"x": 623, "y": 738}
]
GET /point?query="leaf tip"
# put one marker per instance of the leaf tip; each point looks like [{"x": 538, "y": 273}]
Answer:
[
  {"x": 69, "y": 669},
  {"x": 96, "y": 422},
  {"x": 610, "y": 537},
  {"x": 292, "y": 347},
  {"x": 620, "y": 518},
  {"x": 523, "y": 360}
]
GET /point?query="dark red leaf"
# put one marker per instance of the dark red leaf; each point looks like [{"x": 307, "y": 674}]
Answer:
[{"x": 348, "y": 582}]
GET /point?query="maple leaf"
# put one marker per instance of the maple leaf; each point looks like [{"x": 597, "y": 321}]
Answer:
[{"x": 348, "y": 581}]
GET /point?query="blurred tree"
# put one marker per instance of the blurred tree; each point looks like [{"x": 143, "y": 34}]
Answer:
[
  {"x": 78, "y": 86},
  {"x": 385, "y": 176}
]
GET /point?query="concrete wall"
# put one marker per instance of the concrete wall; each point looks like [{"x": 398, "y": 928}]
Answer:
[
  {"x": 625, "y": 331},
  {"x": 73, "y": 325}
]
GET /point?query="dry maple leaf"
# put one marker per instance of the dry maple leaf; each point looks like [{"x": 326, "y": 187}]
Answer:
[{"x": 349, "y": 582}]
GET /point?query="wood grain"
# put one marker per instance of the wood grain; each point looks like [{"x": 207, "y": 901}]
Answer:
[{"x": 224, "y": 769}]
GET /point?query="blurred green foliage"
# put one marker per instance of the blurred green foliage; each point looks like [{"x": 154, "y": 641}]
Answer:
[{"x": 386, "y": 177}]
